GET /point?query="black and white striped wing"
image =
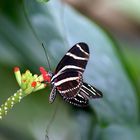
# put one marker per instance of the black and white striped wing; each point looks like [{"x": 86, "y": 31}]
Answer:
[
  {"x": 79, "y": 100},
  {"x": 75, "y": 59},
  {"x": 82, "y": 98},
  {"x": 68, "y": 75},
  {"x": 90, "y": 92},
  {"x": 68, "y": 83}
]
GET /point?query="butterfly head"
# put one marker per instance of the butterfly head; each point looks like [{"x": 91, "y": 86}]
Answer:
[{"x": 50, "y": 74}]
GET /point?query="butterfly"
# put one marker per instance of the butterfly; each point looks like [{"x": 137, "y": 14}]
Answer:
[{"x": 67, "y": 80}]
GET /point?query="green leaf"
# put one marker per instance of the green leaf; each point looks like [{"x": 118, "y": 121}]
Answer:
[
  {"x": 104, "y": 68},
  {"x": 105, "y": 71},
  {"x": 59, "y": 27}
]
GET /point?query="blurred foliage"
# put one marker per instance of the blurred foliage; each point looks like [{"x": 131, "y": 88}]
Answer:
[
  {"x": 42, "y": 0},
  {"x": 132, "y": 8},
  {"x": 59, "y": 27}
]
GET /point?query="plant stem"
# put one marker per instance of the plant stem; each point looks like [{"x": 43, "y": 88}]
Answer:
[{"x": 10, "y": 102}]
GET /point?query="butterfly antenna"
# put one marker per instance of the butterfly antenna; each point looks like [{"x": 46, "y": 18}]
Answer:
[{"x": 47, "y": 57}]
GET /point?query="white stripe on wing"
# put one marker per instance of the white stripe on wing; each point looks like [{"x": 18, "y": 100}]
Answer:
[
  {"x": 91, "y": 91},
  {"x": 82, "y": 50},
  {"x": 76, "y": 57},
  {"x": 66, "y": 67},
  {"x": 58, "y": 83}
]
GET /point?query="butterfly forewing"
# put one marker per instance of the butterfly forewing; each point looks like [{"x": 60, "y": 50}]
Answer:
[
  {"x": 68, "y": 74},
  {"x": 75, "y": 59}
]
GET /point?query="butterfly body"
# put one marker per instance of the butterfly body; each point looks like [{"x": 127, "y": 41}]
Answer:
[{"x": 68, "y": 78}]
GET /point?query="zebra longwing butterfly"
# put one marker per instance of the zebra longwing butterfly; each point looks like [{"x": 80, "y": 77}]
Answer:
[{"x": 68, "y": 78}]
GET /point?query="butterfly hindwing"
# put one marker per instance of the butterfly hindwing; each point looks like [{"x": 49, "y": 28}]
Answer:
[
  {"x": 82, "y": 98},
  {"x": 75, "y": 59},
  {"x": 78, "y": 100},
  {"x": 89, "y": 91}
]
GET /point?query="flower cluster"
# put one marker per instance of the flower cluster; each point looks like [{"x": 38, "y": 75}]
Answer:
[{"x": 28, "y": 83}]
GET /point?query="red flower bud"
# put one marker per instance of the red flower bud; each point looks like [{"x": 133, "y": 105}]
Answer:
[
  {"x": 16, "y": 69},
  {"x": 34, "y": 84}
]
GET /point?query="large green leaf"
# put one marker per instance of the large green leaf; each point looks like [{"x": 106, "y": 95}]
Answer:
[
  {"x": 59, "y": 27},
  {"x": 105, "y": 71},
  {"x": 104, "y": 68}
]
